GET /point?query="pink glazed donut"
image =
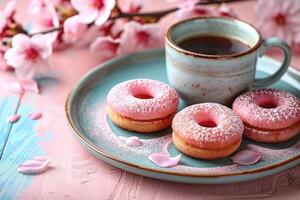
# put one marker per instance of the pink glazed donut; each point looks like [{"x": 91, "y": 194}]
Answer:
[
  {"x": 207, "y": 131},
  {"x": 269, "y": 111},
  {"x": 142, "y": 105}
]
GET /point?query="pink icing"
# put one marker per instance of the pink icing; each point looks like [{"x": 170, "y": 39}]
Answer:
[
  {"x": 246, "y": 157},
  {"x": 268, "y": 108},
  {"x": 164, "y": 160},
  {"x": 35, "y": 166},
  {"x": 208, "y": 125},
  {"x": 143, "y": 99},
  {"x": 133, "y": 141},
  {"x": 13, "y": 118},
  {"x": 35, "y": 115}
]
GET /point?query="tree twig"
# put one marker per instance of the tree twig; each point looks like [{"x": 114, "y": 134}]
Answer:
[{"x": 157, "y": 15}]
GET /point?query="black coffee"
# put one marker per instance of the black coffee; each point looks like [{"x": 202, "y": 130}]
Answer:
[{"x": 213, "y": 45}]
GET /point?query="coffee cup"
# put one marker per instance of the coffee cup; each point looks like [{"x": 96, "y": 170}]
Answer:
[{"x": 216, "y": 77}]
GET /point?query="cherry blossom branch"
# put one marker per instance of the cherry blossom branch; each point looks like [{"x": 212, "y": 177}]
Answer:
[
  {"x": 45, "y": 32},
  {"x": 154, "y": 16},
  {"x": 163, "y": 13}
]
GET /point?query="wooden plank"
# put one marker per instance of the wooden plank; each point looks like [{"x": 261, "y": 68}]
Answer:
[
  {"x": 8, "y": 107},
  {"x": 22, "y": 144},
  {"x": 74, "y": 173}
]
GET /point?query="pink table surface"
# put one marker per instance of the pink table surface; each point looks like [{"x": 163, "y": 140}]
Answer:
[{"x": 74, "y": 173}]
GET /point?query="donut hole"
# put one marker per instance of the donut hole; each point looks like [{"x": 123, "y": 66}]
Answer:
[
  {"x": 206, "y": 121},
  {"x": 143, "y": 96},
  {"x": 141, "y": 93},
  {"x": 267, "y": 102}
]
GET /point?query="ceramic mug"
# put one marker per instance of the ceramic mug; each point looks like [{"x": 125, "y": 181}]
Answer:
[{"x": 218, "y": 78}]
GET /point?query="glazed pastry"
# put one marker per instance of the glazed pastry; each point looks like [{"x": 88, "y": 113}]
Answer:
[
  {"x": 142, "y": 105},
  {"x": 269, "y": 115},
  {"x": 207, "y": 131}
]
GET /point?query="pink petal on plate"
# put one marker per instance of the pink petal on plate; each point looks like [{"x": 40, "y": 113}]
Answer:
[
  {"x": 34, "y": 166},
  {"x": 35, "y": 115},
  {"x": 164, "y": 160},
  {"x": 246, "y": 157},
  {"x": 13, "y": 118},
  {"x": 29, "y": 85},
  {"x": 133, "y": 141}
]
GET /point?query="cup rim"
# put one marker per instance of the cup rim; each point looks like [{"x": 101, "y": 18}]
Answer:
[{"x": 172, "y": 44}]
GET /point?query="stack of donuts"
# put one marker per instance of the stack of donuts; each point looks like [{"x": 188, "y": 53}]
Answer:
[{"x": 206, "y": 130}]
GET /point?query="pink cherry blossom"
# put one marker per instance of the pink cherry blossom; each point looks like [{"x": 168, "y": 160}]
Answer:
[
  {"x": 137, "y": 37},
  {"x": 105, "y": 47},
  {"x": 131, "y": 6},
  {"x": 187, "y": 11},
  {"x": 296, "y": 43},
  {"x": 225, "y": 11},
  {"x": 44, "y": 17},
  {"x": 94, "y": 10},
  {"x": 3, "y": 64},
  {"x": 60, "y": 2},
  {"x": 74, "y": 29},
  {"x": 29, "y": 56},
  {"x": 7, "y": 15},
  {"x": 279, "y": 18}
]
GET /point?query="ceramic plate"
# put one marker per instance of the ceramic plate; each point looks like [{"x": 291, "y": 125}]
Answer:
[{"x": 86, "y": 113}]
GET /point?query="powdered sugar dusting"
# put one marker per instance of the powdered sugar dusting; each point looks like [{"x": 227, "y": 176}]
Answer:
[
  {"x": 98, "y": 129},
  {"x": 164, "y": 101},
  {"x": 284, "y": 115},
  {"x": 229, "y": 127}
]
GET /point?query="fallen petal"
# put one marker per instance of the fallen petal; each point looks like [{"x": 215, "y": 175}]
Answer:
[
  {"x": 39, "y": 158},
  {"x": 164, "y": 160},
  {"x": 246, "y": 157},
  {"x": 13, "y": 118},
  {"x": 15, "y": 88},
  {"x": 133, "y": 141},
  {"x": 31, "y": 163},
  {"x": 34, "y": 166},
  {"x": 35, "y": 115},
  {"x": 29, "y": 85}
]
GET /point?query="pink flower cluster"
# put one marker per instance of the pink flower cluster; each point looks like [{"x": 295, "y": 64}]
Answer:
[
  {"x": 280, "y": 18},
  {"x": 98, "y": 23},
  {"x": 189, "y": 9},
  {"x": 84, "y": 20}
]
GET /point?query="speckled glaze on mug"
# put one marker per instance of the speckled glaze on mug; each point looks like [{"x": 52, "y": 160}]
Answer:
[{"x": 218, "y": 78}]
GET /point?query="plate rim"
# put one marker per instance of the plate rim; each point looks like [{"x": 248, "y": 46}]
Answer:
[{"x": 95, "y": 149}]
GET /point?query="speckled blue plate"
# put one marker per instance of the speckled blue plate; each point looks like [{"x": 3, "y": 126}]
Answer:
[{"x": 86, "y": 113}]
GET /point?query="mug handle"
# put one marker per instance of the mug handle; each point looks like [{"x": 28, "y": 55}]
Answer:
[{"x": 274, "y": 42}]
